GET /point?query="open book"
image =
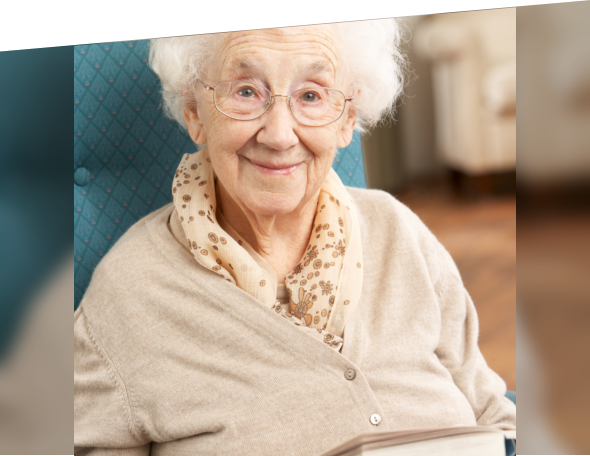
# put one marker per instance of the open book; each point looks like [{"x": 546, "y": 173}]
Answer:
[{"x": 456, "y": 441}]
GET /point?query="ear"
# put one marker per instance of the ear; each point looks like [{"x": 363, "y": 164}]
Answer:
[
  {"x": 346, "y": 131},
  {"x": 195, "y": 126}
]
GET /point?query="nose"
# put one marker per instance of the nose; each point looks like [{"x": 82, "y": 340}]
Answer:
[{"x": 278, "y": 130}]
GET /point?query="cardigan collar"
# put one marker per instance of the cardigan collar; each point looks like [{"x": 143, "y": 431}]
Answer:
[
  {"x": 164, "y": 232},
  {"x": 281, "y": 306}
]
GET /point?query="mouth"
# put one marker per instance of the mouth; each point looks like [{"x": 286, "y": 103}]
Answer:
[{"x": 277, "y": 169}]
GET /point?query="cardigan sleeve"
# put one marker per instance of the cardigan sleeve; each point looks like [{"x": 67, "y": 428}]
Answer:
[
  {"x": 103, "y": 417},
  {"x": 459, "y": 352}
]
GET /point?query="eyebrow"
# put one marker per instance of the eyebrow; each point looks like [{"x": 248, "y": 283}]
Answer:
[
  {"x": 320, "y": 66},
  {"x": 244, "y": 65}
]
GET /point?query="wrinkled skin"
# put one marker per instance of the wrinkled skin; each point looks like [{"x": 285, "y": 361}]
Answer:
[{"x": 273, "y": 213}]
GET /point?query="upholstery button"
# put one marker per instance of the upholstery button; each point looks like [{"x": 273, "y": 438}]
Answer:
[
  {"x": 375, "y": 420},
  {"x": 350, "y": 374},
  {"x": 81, "y": 177}
]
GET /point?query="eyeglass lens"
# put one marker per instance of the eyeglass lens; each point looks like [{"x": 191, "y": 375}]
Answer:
[{"x": 246, "y": 101}]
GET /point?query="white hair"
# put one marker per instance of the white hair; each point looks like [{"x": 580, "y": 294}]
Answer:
[{"x": 370, "y": 51}]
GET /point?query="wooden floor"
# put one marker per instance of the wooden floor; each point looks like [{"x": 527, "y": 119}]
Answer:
[{"x": 480, "y": 234}]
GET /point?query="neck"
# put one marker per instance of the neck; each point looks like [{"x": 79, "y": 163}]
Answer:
[{"x": 280, "y": 239}]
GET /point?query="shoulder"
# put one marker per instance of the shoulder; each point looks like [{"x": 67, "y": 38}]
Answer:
[
  {"x": 380, "y": 211},
  {"x": 127, "y": 270},
  {"x": 136, "y": 248},
  {"x": 398, "y": 230},
  {"x": 376, "y": 205}
]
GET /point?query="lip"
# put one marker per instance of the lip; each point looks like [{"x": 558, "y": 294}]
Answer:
[{"x": 276, "y": 170}]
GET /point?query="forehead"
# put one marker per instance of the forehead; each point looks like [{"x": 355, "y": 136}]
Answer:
[{"x": 310, "y": 48}]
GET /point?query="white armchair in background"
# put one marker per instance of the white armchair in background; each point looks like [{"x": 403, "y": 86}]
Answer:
[{"x": 473, "y": 57}]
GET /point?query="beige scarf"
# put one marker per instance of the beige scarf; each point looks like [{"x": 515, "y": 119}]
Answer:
[{"x": 324, "y": 288}]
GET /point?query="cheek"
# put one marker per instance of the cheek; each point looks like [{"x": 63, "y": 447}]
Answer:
[
  {"x": 225, "y": 138},
  {"x": 322, "y": 143},
  {"x": 227, "y": 135}
]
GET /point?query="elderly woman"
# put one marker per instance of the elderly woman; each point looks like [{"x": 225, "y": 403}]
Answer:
[{"x": 270, "y": 309}]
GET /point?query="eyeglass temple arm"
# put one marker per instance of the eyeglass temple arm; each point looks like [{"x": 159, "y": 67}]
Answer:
[
  {"x": 205, "y": 85},
  {"x": 351, "y": 97}
]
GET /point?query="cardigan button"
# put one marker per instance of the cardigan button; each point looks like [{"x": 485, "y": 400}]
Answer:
[
  {"x": 350, "y": 374},
  {"x": 375, "y": 420}
]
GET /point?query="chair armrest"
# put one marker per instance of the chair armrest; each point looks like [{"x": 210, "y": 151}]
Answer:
[
  {"x": 499, "y": 89},
  {"x": 512, "y": 396},
  {"x": 511, "y": 444},
  {"x": 510, "y": 447}
]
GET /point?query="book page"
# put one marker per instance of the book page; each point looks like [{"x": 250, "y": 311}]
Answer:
[
  {"x": 480, "y": 444},
  {"x": 382, "y": 439}
]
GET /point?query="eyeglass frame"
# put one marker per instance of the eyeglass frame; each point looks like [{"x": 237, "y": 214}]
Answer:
[{"x": 272, "y": 100}]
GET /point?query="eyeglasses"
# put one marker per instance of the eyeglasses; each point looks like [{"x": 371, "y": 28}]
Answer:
[{"x": 243, "y": 100}]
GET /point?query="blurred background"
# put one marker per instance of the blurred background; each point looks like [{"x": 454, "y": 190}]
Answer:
[
  {"x": 553, "y": 227},
  {"x": 36, "y": 271}
]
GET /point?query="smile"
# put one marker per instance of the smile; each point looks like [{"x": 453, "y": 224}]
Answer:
[{"x": 274, "y": 170}]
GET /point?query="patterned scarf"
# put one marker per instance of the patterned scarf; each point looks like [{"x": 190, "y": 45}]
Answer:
[{"x": 325, "y": 286}]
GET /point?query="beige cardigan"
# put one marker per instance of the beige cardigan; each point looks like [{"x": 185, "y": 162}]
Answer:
[{"x": 169, "y": 357}]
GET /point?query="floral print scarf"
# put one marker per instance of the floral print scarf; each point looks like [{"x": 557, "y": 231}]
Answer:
[{"x": 325, "y": 286}]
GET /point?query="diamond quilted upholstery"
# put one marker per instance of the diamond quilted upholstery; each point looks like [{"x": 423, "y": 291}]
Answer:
[{"x": 126, "y": 151}]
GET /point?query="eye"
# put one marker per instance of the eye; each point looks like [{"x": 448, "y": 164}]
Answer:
[
  {"x": 310, "y": 97},
  {"x": 246, "y": 92}
]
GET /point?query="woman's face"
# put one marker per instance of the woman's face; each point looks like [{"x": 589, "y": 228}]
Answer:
[{"x": 242, "y": 152}]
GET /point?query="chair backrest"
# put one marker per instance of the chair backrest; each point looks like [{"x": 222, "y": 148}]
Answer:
[{"x": 126, "y": 151}]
